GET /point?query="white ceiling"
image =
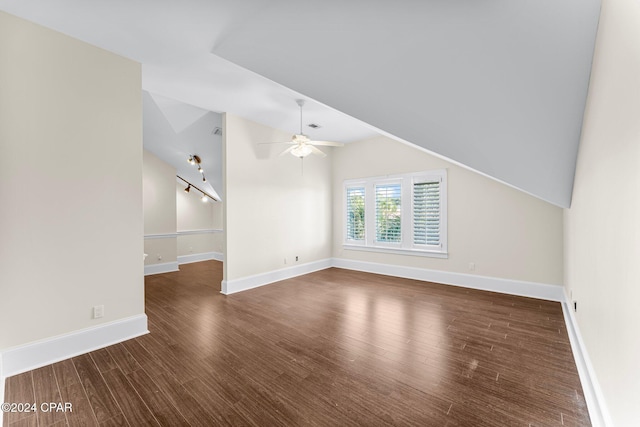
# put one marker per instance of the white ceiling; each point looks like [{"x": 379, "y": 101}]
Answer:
[{"x": 496, "y": 85}]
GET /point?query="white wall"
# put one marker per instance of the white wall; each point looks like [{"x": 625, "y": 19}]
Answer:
[
  {"x": 159, "y": 201},
  {"x": 602, "y": 227},
  {"x": 70, "y": 184},
  {"x": 506, "y": 233},
  {"x": 273, "y": 210}
]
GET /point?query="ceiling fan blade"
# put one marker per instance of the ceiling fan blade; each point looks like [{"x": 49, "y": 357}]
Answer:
[
  {"x": 277, "y": 142},
  {"x": 326, "y": 143},
  {"x": 287, "y": 150},
  {"x": 316, "y": 151}
]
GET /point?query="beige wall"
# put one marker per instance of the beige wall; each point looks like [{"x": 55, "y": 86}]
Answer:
[
  {"x": 159, "y": 196},
  {"x": 602, "y": 227},
  {"x": 168, "y": 210},
  {"x": 159, "y": 202},
  {"x": 273, "y": 210},
  {"x": 202, "y": 243},
  {"x": 506, "y": 233},
  {"x": 194, "y": 215},
  {"x": 71, "y": 219}
]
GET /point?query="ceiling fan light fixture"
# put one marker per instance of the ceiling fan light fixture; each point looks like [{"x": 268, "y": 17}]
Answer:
[
  {"x": 300, "y": 138},
  {"x": 301, "y": 145},
  {"x": 191, "y": 161},
  {"x": 302, "y": 150}
]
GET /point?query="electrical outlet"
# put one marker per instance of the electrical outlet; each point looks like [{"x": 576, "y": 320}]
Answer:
[
  {"x": 159, "y": 257},
  {"x": 98, "y": 311},
  {"x": 472, "y": 266},
  {"x": 296, "y": 258},
  {"x": 575, "y": 306},
  {"x": 285, "y": 260}
]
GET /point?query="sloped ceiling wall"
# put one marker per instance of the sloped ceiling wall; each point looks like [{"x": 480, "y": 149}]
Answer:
[
  {"x": 498, "y": 86},
  {"x": 173, "y": 130}
]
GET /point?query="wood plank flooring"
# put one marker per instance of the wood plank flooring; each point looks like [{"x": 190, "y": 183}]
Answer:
[{"x": 332, "y": 348}]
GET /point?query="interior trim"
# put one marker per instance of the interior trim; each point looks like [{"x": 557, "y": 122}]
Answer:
[
  {"x": 17, "y": 360},
  {"x": 245, "y": 283},
  {"x": 166, "y": 267},
  {"x": 161, "y": 236},
  {"x": 598, "y": 411},
  {"x": 205, "y": 256},
  {"x": 494, "y": 284},
  {"x": 207, "y": 231}
]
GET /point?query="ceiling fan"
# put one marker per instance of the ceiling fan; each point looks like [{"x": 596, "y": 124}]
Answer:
[{"x": 300, "y": 145}]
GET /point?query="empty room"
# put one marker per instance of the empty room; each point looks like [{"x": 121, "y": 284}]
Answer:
[{"x": 319, "y": 213}]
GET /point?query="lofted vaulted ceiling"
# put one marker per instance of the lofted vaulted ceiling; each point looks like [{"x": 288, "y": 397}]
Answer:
[
  {"x": 497, "y": 86},
  {"x": 175, "y": 131}
]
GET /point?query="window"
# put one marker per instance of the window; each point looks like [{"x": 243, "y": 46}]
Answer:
[
  {"x": 388, "y": 213},
  {"x": 402, "y": 213},
  {"x": 355, "y": 214},
  {"x": 426, "y": 213}
]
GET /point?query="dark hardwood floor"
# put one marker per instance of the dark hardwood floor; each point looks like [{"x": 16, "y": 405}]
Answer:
[{"x": 332, "y": 348}]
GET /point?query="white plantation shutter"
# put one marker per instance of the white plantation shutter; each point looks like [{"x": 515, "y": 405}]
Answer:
[
  {"x": 400, "y": 214},
  {"x": 388, "y": 213},
  {"x": 426, "y": 213},
  {"x": 355, "y": 213}
]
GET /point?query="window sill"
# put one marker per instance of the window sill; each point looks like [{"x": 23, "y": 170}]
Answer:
[{"x": 413, "y": 252}]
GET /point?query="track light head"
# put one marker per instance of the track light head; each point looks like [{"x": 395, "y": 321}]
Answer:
[
  {"x": 204, "y": 198},
  {"x": 186, "y": 190}
]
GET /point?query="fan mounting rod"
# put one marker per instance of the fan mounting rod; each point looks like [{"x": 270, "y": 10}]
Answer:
[{"x": 300, "y": 103}]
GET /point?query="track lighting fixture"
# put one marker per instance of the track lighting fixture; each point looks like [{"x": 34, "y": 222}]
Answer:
[
  {"x": 194, "y": 159},
  {"x": 205, "y": 196}
]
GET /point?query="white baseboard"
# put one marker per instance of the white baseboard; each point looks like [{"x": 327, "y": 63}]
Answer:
[
  {"x": 166, "y": 267},
  {"x": 596, "y": 404},
  {"x": 34, "y": 355},
  {"x": 206, "y": 256},
  {"x": 250, "y": 282},
  {"x": 493, "y": 284}
]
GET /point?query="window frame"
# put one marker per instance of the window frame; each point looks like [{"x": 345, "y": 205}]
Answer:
[{"x": 406, "y": 245}]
